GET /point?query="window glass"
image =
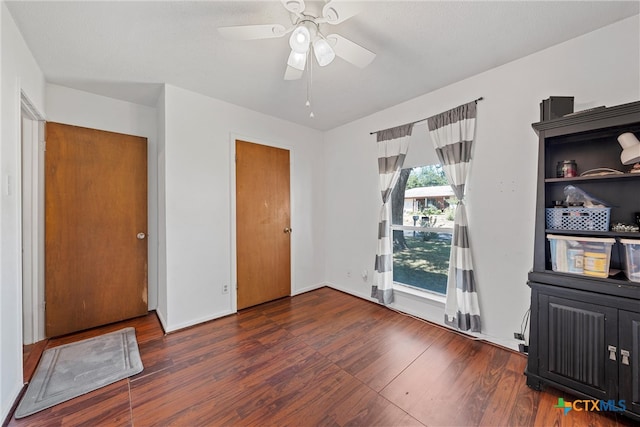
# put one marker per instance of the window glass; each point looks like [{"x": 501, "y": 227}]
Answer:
[{"x": 423, "y": 208}]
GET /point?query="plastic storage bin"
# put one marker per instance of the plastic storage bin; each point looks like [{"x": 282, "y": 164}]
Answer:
[
  {"x": 589, "y": 256},
  {"x": 632, "y": 259},
  {"x": 581, "y": 219}
]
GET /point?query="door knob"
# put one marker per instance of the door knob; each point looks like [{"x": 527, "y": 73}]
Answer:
[
  {"x": 141, "y": 236},
  {"x": 288, "y": 230}
]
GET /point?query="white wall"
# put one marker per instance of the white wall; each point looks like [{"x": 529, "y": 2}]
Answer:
[
  {"x": 198, "y": 178},
  {"x": 78, "y": 108},
  {"x": 599, "y": 68},
  {"x": 18, "y": 72}
]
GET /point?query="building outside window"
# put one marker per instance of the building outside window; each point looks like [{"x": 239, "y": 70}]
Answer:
[{"x": 423, "y": 208}]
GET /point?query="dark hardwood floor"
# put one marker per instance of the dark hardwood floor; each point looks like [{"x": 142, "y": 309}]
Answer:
[{"x": 321, "y": 358}]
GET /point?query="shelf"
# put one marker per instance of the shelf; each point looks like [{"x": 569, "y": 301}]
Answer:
[
  {"x": 549, "y": 276},
  {"x": 590, "y": 121},
  {"x": 624, "y": 235},
  {"x": 619, "y": 287},
  {"x": 595, "y": 178}
]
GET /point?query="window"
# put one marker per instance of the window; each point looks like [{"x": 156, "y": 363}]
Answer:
[{"x": 423, "y": 208}]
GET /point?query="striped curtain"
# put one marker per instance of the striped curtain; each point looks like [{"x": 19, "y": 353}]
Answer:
[
  {"x": 452, "y": 133},
  {"x": 393, "y": 145}
]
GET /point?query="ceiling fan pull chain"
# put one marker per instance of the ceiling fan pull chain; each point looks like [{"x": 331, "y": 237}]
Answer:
[
  {"x": 309, "y": 84},
  {"x": 308, "y": 103}
]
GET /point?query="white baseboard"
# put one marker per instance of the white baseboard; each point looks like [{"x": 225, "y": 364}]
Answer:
[
  {"x": 432, "y": 312},
  {"x": 194, "y": 322},
  {"x": 161, "y": 319},
  {"x": 307, "y": 289},
  {"x": 13, "y": 399}
]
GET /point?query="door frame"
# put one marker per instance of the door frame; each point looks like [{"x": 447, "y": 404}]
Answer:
[
  {"x": 31, "y": 191},
  {"x": 233, "y": 295}
]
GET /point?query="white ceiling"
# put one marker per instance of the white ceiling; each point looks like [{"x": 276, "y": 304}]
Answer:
[{"x": 126, "y": 49}]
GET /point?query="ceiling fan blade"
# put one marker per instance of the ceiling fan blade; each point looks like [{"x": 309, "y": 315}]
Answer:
[
  {"x": 350, "y": 51},
  {"x": 253, "y": 32},
  {"x": 294, "y": 6},
  {"x": 292, "y": 73},
  {"x": 337, "y": 11}
]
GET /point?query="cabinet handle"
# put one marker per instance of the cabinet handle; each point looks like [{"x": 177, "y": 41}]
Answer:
[
  {"x": 612, "y": 352},
  {"x": 625, "y": 356}
]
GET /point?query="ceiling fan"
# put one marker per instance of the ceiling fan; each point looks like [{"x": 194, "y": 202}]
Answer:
[{"x": 306, "y": 36}]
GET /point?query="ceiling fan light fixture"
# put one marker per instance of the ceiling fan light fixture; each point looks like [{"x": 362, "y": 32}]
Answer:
[
  {"x": 323, "y": 51},
  {"x": 300, "y": 39},
  {"x": 297, "y": 60},
  {"x": 304, "y": 35}
]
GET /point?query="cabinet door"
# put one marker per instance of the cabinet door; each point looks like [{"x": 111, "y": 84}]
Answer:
[
  {"x": 574, "y": 341},
  {"x": 630, "y": 360}
]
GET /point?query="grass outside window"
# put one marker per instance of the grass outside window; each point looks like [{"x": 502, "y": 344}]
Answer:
[{"x": 424, "y": 263}]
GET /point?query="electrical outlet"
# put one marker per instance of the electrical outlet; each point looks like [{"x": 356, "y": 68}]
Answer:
[
  {"x": 518, "y": 336},
  {"x": 348, "y": 273},
  {"x": 225, "y": 289}
]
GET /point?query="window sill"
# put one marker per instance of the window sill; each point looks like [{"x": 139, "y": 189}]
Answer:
[{"x": 419, "y": 293}]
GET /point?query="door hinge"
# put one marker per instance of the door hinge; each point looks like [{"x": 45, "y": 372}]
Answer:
[{"x": 43, "y": 145}]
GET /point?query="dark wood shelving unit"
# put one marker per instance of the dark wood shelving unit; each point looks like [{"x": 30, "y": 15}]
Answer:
[{"x": 585, "y": 331}]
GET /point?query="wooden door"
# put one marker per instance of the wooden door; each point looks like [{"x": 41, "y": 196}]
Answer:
[
  {"x": 95, "y": 228},
  {"x": 263, "y": 223}
]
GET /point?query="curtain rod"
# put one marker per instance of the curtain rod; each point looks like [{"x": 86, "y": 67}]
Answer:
[{"x": 421, "y": 120}]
